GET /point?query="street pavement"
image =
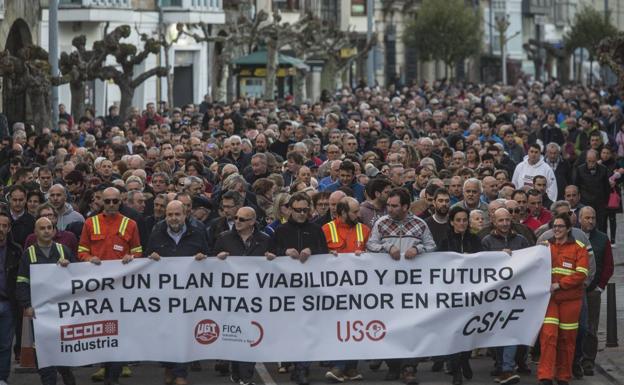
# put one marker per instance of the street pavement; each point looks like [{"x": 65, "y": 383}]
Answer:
[{"x": 610, "y": 361}]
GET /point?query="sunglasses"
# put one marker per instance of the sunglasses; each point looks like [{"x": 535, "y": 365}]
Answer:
[
  {"x": 168, "y": 157},
  {"x": 111, "y": 201},
  {"x": 517, "y": 210},
  {"x": 241, "y": 219},
  {"x": 301, "y": 210}
]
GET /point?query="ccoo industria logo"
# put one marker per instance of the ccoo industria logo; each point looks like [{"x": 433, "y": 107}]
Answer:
[{"x": 89, "y": 336}]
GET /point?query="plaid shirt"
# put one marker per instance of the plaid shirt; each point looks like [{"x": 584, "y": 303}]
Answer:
[{"x": 410, "y": 232}]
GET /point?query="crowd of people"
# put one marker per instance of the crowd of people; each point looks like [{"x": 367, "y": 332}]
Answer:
[{"x": 401, "y": 171}]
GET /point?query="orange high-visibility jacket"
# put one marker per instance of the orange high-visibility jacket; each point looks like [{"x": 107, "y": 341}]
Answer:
[
  {"x": 569, "y": 269},
  {"x": 344, "y": 239},
  {"x": 109, "y": 237}
]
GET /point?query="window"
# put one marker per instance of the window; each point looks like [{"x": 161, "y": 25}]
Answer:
[
  {"x": 286, "y": 5},
  {"x": 358, "y": 7}
]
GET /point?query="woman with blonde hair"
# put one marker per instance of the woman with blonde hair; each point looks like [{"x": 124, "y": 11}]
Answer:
[{"x": 279, "y": 214}]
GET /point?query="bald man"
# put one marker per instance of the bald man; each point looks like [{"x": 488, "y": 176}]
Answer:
[
  {"x": 176, "y": 237},
  {"x": 502, "y": 238},
  {"x": 109, "y": 235},
  {"x": 244, "y": 239},
  {"x": 45, "y": 250}
]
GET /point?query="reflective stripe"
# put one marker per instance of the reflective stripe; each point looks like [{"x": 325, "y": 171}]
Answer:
[
  {"x": 32, "y": 254},
  {"x": 580, "y": 243},
  {"x": 59, "y": 247},
  {"x": 551, "y": 321},
  {"x": 22, "y": 279},
  {"x": 96, "y": 225},
  {"x": 82, "y": 249},
  {"x": 123, "y": 225},
  {"x": 359, "y": 232},
  {"x": 573, "y": 326},
  {"x": 562, "y": 271},
  {"x": 582, "y": 270},
  {"x": 333, "y": 232},
  {"x": 138, "y": 249}
]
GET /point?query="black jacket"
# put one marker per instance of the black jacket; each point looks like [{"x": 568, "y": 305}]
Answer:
[
  {"x": 11, "y": 266},
  {"x": 563, "y": 174},
  {"x": 216, "y": 227},
  {"x": 460, "y": 243},
  {"x": 497, "y": 242},
  {"x": 193, "y": 241},
  {"x": 298, "y": 236},
  {"x": 232, "y": 243},
  {"x": 22, "y": 227},
  {"x": 594, "y": 187},
  {"x": 23, "y": 286}
]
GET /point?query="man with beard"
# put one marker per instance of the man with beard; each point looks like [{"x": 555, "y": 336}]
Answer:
[
  {"x": 374, "y": 207},
  {"x": 176, "y": 237},
  {"x": 438, "y": 222}
]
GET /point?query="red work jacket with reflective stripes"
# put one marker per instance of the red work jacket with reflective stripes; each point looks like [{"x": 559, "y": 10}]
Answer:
[
  {"x": 345, "y": 239},
  {"x": 569, "y": 268},
  {"x": 109, "y": 237}
]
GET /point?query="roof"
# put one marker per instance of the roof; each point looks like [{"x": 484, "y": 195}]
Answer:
[{"x": 259, "y": 58}]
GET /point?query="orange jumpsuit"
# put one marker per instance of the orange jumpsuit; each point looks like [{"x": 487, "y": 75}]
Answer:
[
  {"x": 345, "y": 239},
  {"x": 109, "y": 237},
  {"x": 558, "y": 335}
]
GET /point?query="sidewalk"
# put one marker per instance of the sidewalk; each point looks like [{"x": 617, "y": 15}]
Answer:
[{"x": 610, "y": 361}]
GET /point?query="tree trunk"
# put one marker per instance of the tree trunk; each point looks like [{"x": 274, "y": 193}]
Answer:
[
  {"x": 169, "y": 80},
  {"x": 125, "y": 105},
  {"x": 77, "y": 99},
  {"x": 591, "y": 71},
  {"x": 40, "y": 105},
  {"x": 299, "y": 85},
  {"x": 271, "y": 71}
]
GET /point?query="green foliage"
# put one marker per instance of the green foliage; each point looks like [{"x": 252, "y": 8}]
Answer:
[
  {"x": 446, "y": 30},
  {"x": 588, "y": 29}
]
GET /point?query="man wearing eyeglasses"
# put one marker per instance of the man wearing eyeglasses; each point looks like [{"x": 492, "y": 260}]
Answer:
[
  {"x": 231, "y": 201},
  {"x": 299, "y": 239},
  {"x": 106, "y": 236}
]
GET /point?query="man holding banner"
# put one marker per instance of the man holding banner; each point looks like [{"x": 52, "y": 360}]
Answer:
[
  {"x": 110, "y": 236},
  {"x": 245, "y": 239},
  {"x": 400, "y": 233},
  {"x": 299, "y": 239},
  {"x": 44, "y": 250},
  {"x": 176, "y": 237},
  {"x": 346, "y": 235},
  {"x": 502, "y": 238}
]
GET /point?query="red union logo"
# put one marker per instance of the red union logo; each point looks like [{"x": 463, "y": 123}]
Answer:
[
  {"x": 206, "y": 331},
  {"x": 356, "y": 330},
  {"x": 89, "y": 330}
]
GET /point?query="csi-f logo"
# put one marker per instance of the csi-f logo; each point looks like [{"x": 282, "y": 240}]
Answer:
[
  {"x": 357, "y": 330},
  {"x": 89, "y": 330},
  {"x": 206, "y": 331},
  {"x": 490, "y": 321}
]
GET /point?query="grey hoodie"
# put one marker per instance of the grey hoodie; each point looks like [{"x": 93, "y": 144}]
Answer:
[{"x": 68, "y": 216}]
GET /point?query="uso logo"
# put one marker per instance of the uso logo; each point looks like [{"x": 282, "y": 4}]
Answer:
[
  {"x": 359, "y": 330},
  {"x": 206, "y": 331}
]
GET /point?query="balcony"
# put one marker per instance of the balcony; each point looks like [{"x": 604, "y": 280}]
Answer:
[
  {"x": 95, "y": 11},
  {"x": 193, "y": 11}
]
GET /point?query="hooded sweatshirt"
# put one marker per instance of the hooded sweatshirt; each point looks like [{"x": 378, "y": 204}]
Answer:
[
  {"x": 524, "y": 173},
  {"x": 68, "y": 216}
]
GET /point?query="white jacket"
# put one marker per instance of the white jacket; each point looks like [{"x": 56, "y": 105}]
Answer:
[{"x": 524, "y": 173}]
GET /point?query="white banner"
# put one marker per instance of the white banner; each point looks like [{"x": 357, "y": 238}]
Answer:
[{"x": 251, "y": 309}]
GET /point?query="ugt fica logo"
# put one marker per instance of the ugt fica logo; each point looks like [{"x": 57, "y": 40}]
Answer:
[
  {"x": 206, "y": 331},
  {"x": 375, "y": 331}
]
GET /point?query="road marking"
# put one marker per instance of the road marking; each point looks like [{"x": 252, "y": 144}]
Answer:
[{"x": 264, "y": 374}]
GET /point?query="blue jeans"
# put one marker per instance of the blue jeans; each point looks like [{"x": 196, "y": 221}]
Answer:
[
  {"x": 6, "y": 338},
  {"x": 506, "y": 357}
]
